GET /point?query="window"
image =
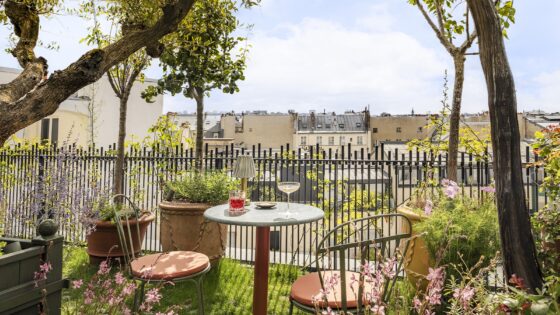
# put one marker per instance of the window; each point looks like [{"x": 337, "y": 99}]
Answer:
[
  {"x": 319, "y": 126},
  {"x": 341, "y": 126},
  {"x": 419, "y": 129},
  {"x": 303, "y": 140},
  {"x": 342, "y": 140},
  {"x": 304, "y": 126},
  {"x": 374, "y": 130},
  {"x": 360, "y": 140},
  {"x": 399, "y": 129},
  {"x": 52, "y": 126},
  {"x": 319, "y": 140},
  {"x": 216, "y": 135},
  {"x": 327, "y": 125},
  {"x": 358, "y": 125},
  {"x": 331, "y": 140}
]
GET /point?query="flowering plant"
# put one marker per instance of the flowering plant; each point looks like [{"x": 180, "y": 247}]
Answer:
[
  {"x": 62, "y": 190},
  {"x": 374, "y": 280},
  {"x": 109, "y": 292},
  {"x": 467, "y": 226}
]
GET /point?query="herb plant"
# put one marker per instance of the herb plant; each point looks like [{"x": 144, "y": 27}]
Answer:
[{"x": 211, "y": 188}]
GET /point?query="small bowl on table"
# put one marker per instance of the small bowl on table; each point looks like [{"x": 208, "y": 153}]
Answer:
[{"x": 265, "y": 205}]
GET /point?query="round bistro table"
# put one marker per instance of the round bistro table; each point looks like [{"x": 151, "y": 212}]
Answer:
[{"x": 263, "y": 219}]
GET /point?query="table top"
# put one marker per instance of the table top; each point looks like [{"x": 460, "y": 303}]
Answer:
[{"x": 299, "y": 214}]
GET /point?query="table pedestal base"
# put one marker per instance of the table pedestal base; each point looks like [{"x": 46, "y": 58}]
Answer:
[{"x": 262, "y": 252}]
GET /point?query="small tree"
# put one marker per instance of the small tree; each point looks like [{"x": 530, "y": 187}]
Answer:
[
  {"x": 124, "y": 19},
  {"x": 515, "y": 228},
  {"x": 448, "y": 27},
  {"x": 200, "y": 57}
]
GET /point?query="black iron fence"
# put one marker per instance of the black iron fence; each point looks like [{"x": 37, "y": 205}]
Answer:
[{"x": 345, "y": 183}]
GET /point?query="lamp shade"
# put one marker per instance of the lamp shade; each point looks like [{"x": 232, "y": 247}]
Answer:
[{"x": 244, "y": 167}]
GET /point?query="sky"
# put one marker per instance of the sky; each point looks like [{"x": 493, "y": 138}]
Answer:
[{"x": 346, "y": 55}]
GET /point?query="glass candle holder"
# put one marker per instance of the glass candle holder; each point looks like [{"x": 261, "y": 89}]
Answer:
[{"x": 236, "y": 201}]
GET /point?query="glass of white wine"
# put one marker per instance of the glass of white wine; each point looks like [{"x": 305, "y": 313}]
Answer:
[{"x": 288, "y": 188}]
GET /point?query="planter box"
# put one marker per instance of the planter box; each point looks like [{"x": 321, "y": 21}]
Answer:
[
  {"x": 417, "y": 260},
  {"x": 18, "y": 291}
]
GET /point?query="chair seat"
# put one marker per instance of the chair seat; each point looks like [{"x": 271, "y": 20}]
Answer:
[
  {"x": 169, "y": 266},
  {"x": 309, "y": 285}
]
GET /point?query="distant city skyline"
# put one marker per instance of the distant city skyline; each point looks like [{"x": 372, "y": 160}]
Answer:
[{"x": 334, "y": 56}]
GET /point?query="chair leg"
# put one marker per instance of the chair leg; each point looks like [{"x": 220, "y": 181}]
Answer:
[
  {"x": 139, "y": 296},
  {"x": 200, "y": 293}
]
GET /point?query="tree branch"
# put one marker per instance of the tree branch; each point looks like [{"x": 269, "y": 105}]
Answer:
[
  {"x": 45, "y": 98},
  {"x": 26, "y": 26},
  {"x": 468, "y": 42},
  {"x": 440, "y": 35}
]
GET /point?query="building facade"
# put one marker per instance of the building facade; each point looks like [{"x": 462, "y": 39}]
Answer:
[
  {"x": 331, "y": 131},
  {"x": 399, "y": 128},
  {"x": 271, "y": 130}
]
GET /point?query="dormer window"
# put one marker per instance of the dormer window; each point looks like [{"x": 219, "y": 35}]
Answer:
[
  {"x": 341, "y": 126},
  {"x": 328, "y": 125},
  {"x": 319, "y": 126},
  {"x": 358, "y": 125},
  {"x": 304, "y": 126}
]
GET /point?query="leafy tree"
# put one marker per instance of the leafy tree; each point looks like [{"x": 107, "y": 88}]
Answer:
[
  {"x": 33, "y": 95},
  {"x": 449, "y": 27},
  {"x": 519, "y": 254},
  {"x": 203, "y": 55}
]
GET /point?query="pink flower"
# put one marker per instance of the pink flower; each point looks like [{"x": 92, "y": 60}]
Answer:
[
  {"x": 488, "y": 189},
  {"x": 119, "y": 278},
  {"x": 464, "y": 296},
  {"x": 428, "y": 207},
  {"x": 152, "y": 297},
  {"x": 417, "y": 303},
  {"x": 378, "y": 309},
  {"x": 76, "y": 284},
  {"x": 89, "y": 295},
  {"x": 104, "y": 268},
  {"x": 450, "y": 188}
]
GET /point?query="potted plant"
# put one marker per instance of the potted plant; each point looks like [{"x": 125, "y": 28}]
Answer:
[
  {"x": 183, "y": 226},
  {"x": 456, "y": 229},
  {"x": 103, "y": 241}
]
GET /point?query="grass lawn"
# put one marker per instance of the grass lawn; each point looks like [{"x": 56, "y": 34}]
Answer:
[{"x": 228, "y": 287}]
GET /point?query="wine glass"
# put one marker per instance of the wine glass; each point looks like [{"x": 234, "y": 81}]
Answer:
[{"x": 288, "y": 188}]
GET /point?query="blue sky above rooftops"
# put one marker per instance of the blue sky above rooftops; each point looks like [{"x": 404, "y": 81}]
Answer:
[{"x": 340, "y": 55}]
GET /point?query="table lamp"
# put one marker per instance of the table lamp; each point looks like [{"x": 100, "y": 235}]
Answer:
[{"x": 244, "y": 169}]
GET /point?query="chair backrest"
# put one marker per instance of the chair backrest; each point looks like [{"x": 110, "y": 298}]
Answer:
[
  {"x": 369, "y": 238},
  {"x": 128, "y": 227}
]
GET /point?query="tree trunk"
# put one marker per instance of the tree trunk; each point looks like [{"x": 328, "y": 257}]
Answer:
[
  {"x": 118, "y": 185},
  {"x": 199, "y": 128},
  {"x": 518, "y": 247},
  {"x": 454, "y": 119}
]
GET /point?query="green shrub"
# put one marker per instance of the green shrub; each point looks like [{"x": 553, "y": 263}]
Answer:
[
  {"x": 212, "y": 188},
  {"x": 468, "y": 227}
]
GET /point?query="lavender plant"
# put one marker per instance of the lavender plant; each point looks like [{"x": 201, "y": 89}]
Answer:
[{"x": 63, "y": 190}]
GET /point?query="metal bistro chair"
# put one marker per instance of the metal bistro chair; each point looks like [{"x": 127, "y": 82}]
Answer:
[
  {"x": 174, "y": 266},
  {"x": 370, "y": 238}
]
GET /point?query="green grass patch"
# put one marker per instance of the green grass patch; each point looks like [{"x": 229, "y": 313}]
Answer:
[{"x": 228, "y": 287}]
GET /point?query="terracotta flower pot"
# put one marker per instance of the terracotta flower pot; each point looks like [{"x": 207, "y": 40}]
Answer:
[
  {"x": 183, "y": 227},
  {"x": 417, "y": 259},
  {"x": 104, "y": 243}
]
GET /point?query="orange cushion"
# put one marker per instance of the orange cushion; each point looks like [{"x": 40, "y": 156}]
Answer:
[
  {"x": 308, "y": 286},
  {"x": 169, "y": 266}
]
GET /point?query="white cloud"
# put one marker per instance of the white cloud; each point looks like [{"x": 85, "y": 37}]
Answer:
[
  {"x": 545, "y": 93},
  {"x": 318, "y": 64}
]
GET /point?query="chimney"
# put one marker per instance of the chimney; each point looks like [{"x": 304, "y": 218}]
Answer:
[{"x": 312, "y": 114}]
